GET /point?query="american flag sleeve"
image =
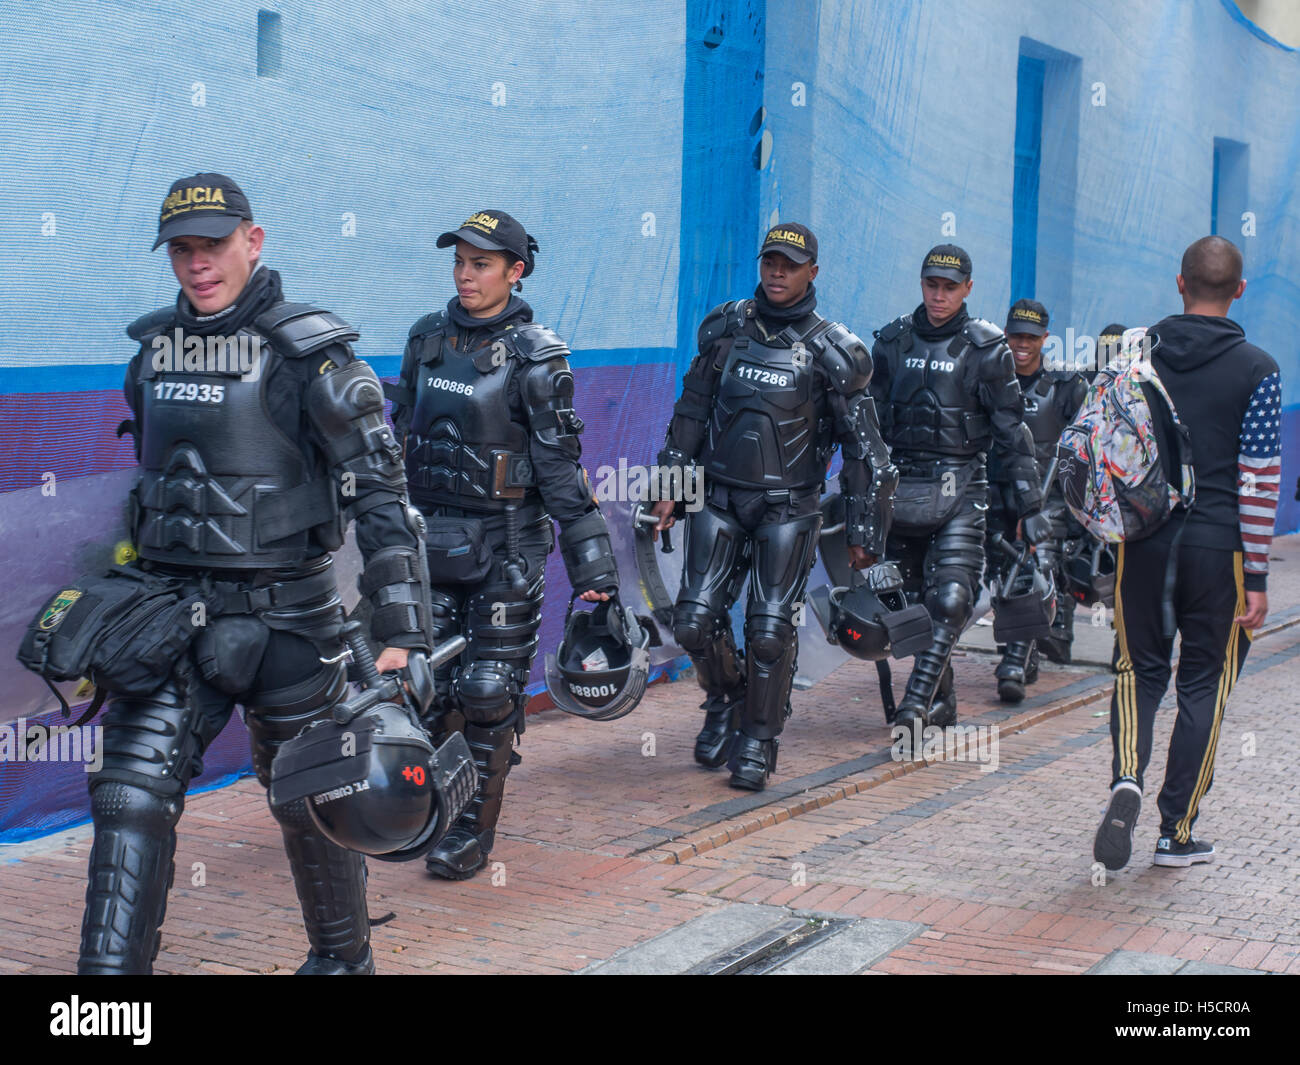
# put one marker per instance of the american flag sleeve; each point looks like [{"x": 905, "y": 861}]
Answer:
[{"x": 1259, "y": 470}]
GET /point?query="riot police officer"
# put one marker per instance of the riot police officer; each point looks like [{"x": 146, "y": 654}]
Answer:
[
  {"x": 484, "y": 408},
  {"x": 251, "y": 464},
  {"x": 945, "y": 385},
  {"x": 1051, "y": 399},
  {"x": 774, "y": 388}
]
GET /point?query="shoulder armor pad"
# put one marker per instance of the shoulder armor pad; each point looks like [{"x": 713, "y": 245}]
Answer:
[
  {"x": 1063, "y": 377},
  {"x": 150, "y": 325},
  {"x": 297, "y": 329},
  {"x": 981, "y": 333},
  {"x": 536, "y": 342},
  {"x": 430, "y": 323},
  {"x": 894, "y": 329},
  {"x": 723, "y": 320},
  {"x": 845, "y": 359},
  {"x": 995, "y": 363}
]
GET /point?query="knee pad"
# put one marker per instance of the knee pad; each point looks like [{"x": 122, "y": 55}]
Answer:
[
  {"x": 292, "y": 815},
  {"x": 487, "y": 692},
  {"x": 694, "y": 627},
  {"x": 768, "y": 638},
  {"x": 280, "y": 714},
  {"x": 950, "y": 603},
  {"x": 115, "y": 806}
]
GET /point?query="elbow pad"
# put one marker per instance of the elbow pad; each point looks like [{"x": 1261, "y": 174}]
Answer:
[
  {"x": 346, "y": 405},
  {"x": 548, "y": 397}
]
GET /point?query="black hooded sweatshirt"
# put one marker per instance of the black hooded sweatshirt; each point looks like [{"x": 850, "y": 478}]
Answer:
[{"x": 1212, "y": 373}]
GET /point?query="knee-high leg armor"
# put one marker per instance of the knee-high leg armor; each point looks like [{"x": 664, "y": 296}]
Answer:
[
  {"x": 489, "y": 694},
  {"x": 954, "y": 562},
  {"x": 151, "y": 749},
  {"x": 713, "y": 573},
  {"x": 950, "y": 607},
  {"x": 330, "y": 881},
  {"x": 465, "y": 848},
  {"x": 331, "y": 886},
  {"x": 131, "y": 870},
  {"x": 783, "y": 553}
]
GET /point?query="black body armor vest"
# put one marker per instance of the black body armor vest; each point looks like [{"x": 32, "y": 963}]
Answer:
[
  {"x": 221, "y": 485},
  {"x": 931, "y": 406},
  {"x": 1045, "y": 416},
  {"x": 764, "y": 431},
  {"x": 465, "y": 447}
]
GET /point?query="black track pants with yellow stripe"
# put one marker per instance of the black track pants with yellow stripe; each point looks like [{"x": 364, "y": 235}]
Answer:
[{"x": 1208, "y": 593}]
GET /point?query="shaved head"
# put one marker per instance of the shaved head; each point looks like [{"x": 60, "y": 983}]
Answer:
[{"x": 1211, "y": 270}]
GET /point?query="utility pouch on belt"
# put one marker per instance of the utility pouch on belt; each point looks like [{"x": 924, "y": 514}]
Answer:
[
  {"x": 928, "y": 502},
  {"x": 125, "y": 630},
  {"x": 457, "y": 551}
]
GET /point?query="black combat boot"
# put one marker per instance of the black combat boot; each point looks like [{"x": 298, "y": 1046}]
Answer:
[
  {"x": 1011, "y": 672},
  {"x": 721, "y": 718},
  {"x": 943, "y": 712},
  {"x": 752, "y": 762}
]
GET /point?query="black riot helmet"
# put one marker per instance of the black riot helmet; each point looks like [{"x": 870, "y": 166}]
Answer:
[
  {"x": 373, "y": 781},
  {"x": 872, "y": 621},
  {"x": 603, "y": 662},
  {"x": 1024, "y": 601}
]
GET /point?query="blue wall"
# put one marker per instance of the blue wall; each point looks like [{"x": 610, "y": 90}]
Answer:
[
  {"x": 646, "y": 145},
  {"x": 911, "y": 115}
]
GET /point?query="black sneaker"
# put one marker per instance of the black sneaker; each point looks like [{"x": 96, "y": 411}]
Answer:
[
  {"x": 1170, "y": 852},
  {"x": 1114, "y": 842}
]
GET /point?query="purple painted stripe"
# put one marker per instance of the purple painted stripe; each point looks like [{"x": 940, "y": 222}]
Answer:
[{"x": 72, "y": 434}]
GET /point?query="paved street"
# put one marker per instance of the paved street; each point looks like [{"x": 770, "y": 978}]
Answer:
[{"x": 617, "y": 853}]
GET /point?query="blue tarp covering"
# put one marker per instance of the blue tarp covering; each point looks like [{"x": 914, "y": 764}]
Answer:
[{"x": 647, "y": 147}]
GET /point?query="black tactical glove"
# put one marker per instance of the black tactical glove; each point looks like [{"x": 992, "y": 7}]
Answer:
[
  {"x": 1037, "y": 527},
  {"x": 884, "y": 577}
]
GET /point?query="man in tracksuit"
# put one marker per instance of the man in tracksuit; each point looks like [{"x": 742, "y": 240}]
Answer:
[{"x": 1227, "y": 392}]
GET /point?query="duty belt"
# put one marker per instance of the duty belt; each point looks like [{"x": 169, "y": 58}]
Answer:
[
  {"x": 931, "y": 468},
  {"x": 234, "y": 598}
]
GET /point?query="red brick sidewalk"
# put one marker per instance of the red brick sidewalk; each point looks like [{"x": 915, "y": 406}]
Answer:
[{"x": 611, "y": 836}]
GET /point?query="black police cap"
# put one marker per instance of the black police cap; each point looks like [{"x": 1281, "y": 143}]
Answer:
[
  {"x": 205, "y": 205},
  {"x": 494, "y": 231}
]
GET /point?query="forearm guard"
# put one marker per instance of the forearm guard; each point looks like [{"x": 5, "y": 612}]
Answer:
[
  {"x": 867, "y": 478},
  {"x": 674, "y": 468},
  {"x": 396, "y": 582},
  {"x": 1022, "y": 474},
  {"x": 346, "y": 406},
  {"x": 588, "y": 554}
]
